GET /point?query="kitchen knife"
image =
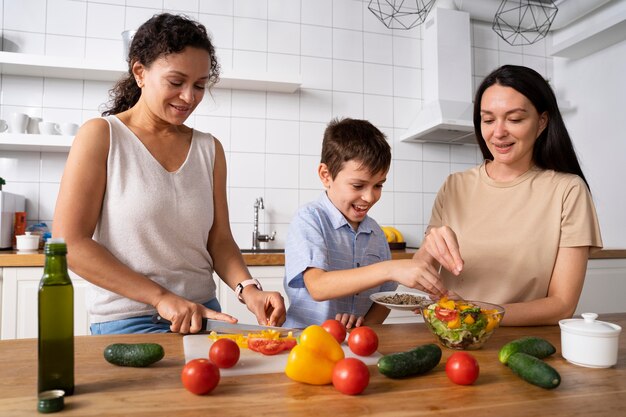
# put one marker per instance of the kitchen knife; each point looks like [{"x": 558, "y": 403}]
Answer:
[{"x": 219, "y": 326}]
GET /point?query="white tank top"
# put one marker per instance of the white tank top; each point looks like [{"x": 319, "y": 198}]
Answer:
[{"x": 156, "y": 222}]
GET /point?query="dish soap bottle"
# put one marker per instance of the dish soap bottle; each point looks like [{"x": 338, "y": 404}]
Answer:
[{"x": 56, "y": 321}]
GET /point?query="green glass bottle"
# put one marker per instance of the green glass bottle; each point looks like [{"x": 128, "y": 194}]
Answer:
[{"x": 56, "y": 321}]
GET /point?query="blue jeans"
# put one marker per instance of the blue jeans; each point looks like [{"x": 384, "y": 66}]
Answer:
[{"x": 141, "y": 324}]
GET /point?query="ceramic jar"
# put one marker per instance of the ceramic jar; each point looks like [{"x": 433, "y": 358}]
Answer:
[{"x": 589, "y": 342}]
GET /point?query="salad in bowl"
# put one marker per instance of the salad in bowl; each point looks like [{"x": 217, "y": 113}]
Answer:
[{"x": 461, "y": 324}]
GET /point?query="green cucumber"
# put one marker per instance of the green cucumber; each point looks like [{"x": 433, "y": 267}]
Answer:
[
  {"x": 413, "y": 362},
  {"x": 534, "y": 370},
  {"x": 534, "y": 346},
  {"x": 133, "y": 354}
]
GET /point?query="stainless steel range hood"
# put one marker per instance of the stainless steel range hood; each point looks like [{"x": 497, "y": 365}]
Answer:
[{"x": 446, "y": 115}]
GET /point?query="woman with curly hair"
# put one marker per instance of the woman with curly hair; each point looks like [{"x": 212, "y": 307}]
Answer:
[{"x": 142, "y": 203}]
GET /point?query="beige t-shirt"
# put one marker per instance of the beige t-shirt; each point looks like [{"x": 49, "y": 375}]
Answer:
[{"x": 509, "y": 233}]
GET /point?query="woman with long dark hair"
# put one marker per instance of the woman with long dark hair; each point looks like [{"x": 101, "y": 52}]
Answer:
[
  {"x": 142, "y": 203},
  {"x": 516, "y": 230}
]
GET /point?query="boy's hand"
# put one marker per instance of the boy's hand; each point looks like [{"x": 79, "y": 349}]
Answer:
[
  {"x": 349, "y": 320},
  {"x": 418, "y": 274}
]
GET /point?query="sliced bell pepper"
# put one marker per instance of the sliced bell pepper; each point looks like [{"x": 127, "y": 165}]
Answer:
[{"x": 313, "y": 359}]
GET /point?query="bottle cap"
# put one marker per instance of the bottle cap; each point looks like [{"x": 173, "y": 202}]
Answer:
[{"x": 50, "y": 401}]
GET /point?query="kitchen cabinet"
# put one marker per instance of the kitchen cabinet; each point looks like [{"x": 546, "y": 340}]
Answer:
[
  {"x": 19, "y": 303},
  {"x": 605, "y": 286}
]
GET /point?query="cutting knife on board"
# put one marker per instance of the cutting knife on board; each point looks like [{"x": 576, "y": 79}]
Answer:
[{"x": 219, "y": 326}]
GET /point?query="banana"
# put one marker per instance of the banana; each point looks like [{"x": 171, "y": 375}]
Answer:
[
  {"x": 389, "y": 234},
  {"x": 399, "y": 237}
]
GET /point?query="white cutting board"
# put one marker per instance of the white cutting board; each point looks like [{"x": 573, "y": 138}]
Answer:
[{"x": 251, "y": 362}]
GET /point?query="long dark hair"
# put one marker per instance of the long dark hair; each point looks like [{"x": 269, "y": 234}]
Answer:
[
  {"x": 554, "y": 148},
  {"x": 163, "y": 34}
]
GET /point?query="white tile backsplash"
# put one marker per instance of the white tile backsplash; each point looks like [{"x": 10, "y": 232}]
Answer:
[
  {"x": 66, "y": 17},
  {"x": 283, "y": 37},
  {"x": 347, "y": 105},
  {"x": 283, "y": 138},
  {"x": 283, "y": 10},
  {"x": 251, "y": 8},
  {"x": 316, "y": 41},
  {"x": 24, "y": 15},
  {"x": 105, "y": 21},
  {"x": 247, "y": 135},
  {"x": 220, "y": 28},
  {"x": 378, "y": 48},
  {"x": 316, "y": 73},
  {"x": 250, "y": 34},
  {"x": 348, "y": 14},
  {"x": 347, "y": 44},
  {"x": 378, "y": 79},
  {"x": 281, "y": 171},
  {"x": 350, "y": 64},
  {"x": 348, "y": 76},
  {"x": 317, "y": 12}
]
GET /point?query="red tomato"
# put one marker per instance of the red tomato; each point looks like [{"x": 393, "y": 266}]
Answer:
[
  {"x": 363, "y": 341},
  {"x": 224, "y": 353},
  {"x": 336, "y": 328},
  {"x": 200, "y": 376},
  {"x": 444, "y": 314},
  {"x": 350, "y": 376},
  {"x": 270, "y": 346},
  {"x": 462, "y": 368}
]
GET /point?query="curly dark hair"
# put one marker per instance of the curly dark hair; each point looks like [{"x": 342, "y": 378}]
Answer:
[
  {"x": 358, "y": 140},
  {"x": 554, "y": 148},
  {"x": 163, "y": 34}
]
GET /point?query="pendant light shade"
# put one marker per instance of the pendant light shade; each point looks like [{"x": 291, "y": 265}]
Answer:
[
  {"x": 524, "y": 22},
  {"x": 401, "y": 14}
]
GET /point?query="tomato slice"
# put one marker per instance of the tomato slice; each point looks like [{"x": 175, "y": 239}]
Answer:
[
  {"x": 267, "y": 346},
  {"x": 444, "y": 314}
]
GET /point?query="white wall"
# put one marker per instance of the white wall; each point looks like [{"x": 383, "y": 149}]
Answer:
[
  {"x": 596, "y": 86},
  {"x": 350, "y": 63}
]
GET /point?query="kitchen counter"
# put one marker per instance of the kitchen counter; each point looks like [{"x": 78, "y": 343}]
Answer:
[
  {"x": 106, "y": 390},
  {"x": 12, "y": 258}
]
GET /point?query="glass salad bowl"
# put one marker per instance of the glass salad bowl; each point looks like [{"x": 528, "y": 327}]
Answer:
[{"x": 461, "y": 324}]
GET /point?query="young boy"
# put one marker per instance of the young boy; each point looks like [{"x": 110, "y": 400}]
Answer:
[{"x": 335, "y": 254}]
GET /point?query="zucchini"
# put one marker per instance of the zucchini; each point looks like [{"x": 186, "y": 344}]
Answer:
[
  {"x": 412, "y": 362},
  {"x": 534, "y": 370},
  {"x": 136, "y": 355},
  {"x": 534, "y": 346}
]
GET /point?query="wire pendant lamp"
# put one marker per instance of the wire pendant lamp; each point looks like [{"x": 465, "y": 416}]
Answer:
[
  {"x": 524, "y": 22},
  {"x": 401, "y": 14}
]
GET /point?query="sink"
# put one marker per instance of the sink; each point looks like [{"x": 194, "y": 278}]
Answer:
[{"x": 260, "y": 251}]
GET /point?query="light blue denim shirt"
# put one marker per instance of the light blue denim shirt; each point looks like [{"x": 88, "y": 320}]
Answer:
[{"x": 319, "y": 236}]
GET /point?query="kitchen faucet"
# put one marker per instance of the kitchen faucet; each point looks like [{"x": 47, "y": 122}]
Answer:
[{"x": 256, "y": 237}]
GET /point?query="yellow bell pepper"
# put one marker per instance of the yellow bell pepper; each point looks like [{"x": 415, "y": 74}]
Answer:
[
  {"x": 455, "y": 323},
  {"x": 312, "y": 361},
  {"x": 469, "y": 319},
  {"x": 445, "y": 303}
]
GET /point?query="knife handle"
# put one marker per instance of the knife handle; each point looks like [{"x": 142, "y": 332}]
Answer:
[{"x": 158, "y": 319}]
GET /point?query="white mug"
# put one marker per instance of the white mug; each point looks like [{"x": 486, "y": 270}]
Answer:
[
  {"x": 69, "y": 129},
  {"x": 3, "y": 125},
  {"x": 33, "y": 125},
  {"x": 19, "y": 121},
  {"x": 49, "y": 128}
]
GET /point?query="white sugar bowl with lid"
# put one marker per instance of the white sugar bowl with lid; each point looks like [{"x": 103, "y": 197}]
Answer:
[{"x": 590, "y": 342}]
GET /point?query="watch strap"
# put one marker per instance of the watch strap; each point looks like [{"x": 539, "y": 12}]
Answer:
[{"x": 243, "y": 284}]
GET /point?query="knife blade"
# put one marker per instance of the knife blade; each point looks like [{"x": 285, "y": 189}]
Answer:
[{"x": 219, "y": 326}]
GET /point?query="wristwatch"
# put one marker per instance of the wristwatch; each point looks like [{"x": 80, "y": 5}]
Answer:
[{"x": 243, "y": 284}]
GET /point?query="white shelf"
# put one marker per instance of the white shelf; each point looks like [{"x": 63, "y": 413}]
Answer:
[
  {"x": 12, "y": 63},
  {"x": 41, "y": 143}
]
